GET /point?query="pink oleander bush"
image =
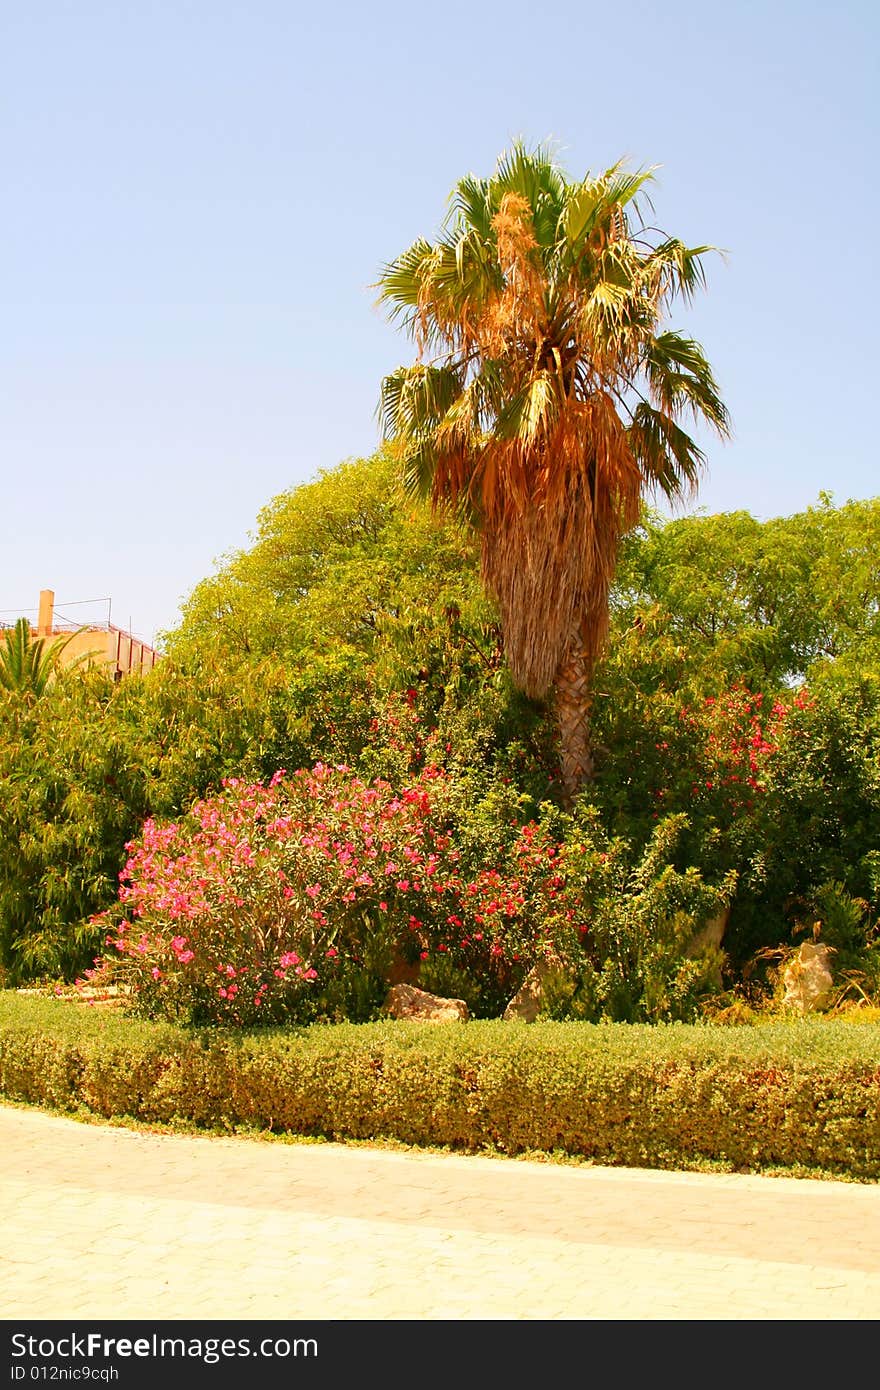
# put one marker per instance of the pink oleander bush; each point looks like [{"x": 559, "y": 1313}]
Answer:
[
  {"x": 302, "y": 899},
  {"x": 298, "y": 899}
]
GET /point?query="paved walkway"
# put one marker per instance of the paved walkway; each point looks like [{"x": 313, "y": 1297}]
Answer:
[{"x": 102, "y": 1222}]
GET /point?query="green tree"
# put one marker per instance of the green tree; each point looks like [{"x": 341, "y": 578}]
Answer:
[
  {"x": 363, "y": 595},
  {"x": 342, "y": 568},
  {"x": 546, "y": 398},
  {"x": 704, "y": 601}
]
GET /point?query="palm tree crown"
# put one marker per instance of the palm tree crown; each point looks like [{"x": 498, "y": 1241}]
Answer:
[{"x": 547, "y": 397}]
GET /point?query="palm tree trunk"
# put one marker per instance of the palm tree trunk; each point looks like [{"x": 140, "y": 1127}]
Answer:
[{"x": 572, "y": 710}]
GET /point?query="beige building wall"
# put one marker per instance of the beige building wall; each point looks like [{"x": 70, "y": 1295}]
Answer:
[{"x": 121, "y": 652}]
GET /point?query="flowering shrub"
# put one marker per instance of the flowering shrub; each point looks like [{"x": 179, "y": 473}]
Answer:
[
  {"x": 708, "y": 757},
  {"x": 738, "y": 734},
  {"x": 616, "y": 925},
  {"x": 297, "y": 899},
  {"x": 251, "y": 906},
  {"x": 300, "y": 898}
]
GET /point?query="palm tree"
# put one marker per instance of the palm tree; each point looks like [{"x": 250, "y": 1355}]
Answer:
[
  {"x": 546, "y": 399},
  {"x": 27, "y": 664}
]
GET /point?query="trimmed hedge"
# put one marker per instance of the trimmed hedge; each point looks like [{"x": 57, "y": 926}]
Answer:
[{"x": 801, "y": 1095}]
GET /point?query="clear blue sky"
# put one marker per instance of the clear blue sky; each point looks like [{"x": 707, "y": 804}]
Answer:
[{"x": 199, "y": 193}]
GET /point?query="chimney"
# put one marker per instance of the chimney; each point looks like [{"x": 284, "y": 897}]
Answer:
[{"x": 47, "y": 613}]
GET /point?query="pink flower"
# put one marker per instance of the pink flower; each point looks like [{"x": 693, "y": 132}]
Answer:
[
  {"x": 332, "y": 953},
  {"x": 289, "y": 958},
  {"x": 156, "y": 973},
  {"x": 314, "y": 890}
]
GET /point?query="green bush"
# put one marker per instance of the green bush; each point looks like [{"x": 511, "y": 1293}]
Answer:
[
  {"x": 70, "y": 795},
  {"x": 802, "y": 1096}
]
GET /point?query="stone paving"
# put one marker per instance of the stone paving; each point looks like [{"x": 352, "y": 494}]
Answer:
[{"x": 106, "y": 1222}]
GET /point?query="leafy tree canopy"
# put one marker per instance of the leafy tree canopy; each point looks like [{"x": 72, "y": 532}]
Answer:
[
  {"x": 346, "y": 573},
  {"x": 705, "y": 600}
]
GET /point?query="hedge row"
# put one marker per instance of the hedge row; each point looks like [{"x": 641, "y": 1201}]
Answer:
[{"x": 799, "y": 1095}]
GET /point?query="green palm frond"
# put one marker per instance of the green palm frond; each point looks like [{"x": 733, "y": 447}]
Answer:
[
  {"x": 416, "y": 399},
  {"x": 419, "y": 468},
  {"x": 592, "y": 203},
  {"x": 680, "y": 268},
  {"x": 531, "y": 173},
  {"x": 606, "y": 300},
  {"x": 579, "y": 214},
  {"x": 679, "y": 377},
  {"x": 463, "y": 278},
  {"x": 669, "y": 458},
  {"x": 527, "y": 414},
  {"x": 401, "y": 281},
  {"x": 28, "y": 664},
  {"x": 469, "y": 206},
  {"x": 623, "y": 188}
]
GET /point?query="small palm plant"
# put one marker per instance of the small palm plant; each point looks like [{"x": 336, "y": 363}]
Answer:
[{"x": 29, "y": 664}]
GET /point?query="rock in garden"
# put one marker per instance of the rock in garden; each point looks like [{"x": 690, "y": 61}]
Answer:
[
  {"x": 711, "y": 934},
  {"x": 405, "y": 1001},
  {"x": 706, "y": 943},
  {"x": 526, "y": 1003},
  {"x": 807, "y": 979}
]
